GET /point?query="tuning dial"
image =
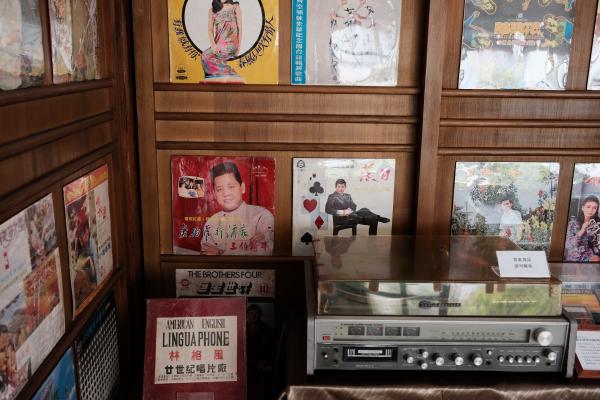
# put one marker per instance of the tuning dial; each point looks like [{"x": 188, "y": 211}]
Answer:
[
  {"x": 439, "y": 360},
  {"x": 477, "y": 360},
  {"x": 409, "y": 359},
  {"x": 543, "y": 337},
  {"x": 458, "y": 359},
  {"x": 423, "y": 365},
  {"x": 551, "y": 355},
  {"x": 424, "y": 353}
]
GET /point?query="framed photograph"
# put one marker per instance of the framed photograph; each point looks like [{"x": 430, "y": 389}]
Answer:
[
  {"x": 345, "y": 197},
  {"x": 224, "y": 41},
  {"x": 89, "y": 233},
  {"x": 582, "y": 243},
  {"x": 510, "y": 44},
  {"x": 60, "y": 384},
  {"x": 515, "y": 200},
  {"x": 21, "y": 49},
  {"x": 31, "y": 304},
  {"x": 345, "y": 42},
  {"x": 594, "y": 74},
  {"x": 195, "y": 346},
  {"x": 228, "y": 207}
]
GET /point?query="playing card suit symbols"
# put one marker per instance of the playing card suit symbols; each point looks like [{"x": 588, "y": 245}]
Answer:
[
  {"x": 316, "y": 189},
  {"x": 306, "y": 238},
  {"x": 309, "y": 204},
  {"x": 319, "y": 222}
]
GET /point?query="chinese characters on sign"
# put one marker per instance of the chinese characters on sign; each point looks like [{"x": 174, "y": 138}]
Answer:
[{"x": 225, "y": 282}]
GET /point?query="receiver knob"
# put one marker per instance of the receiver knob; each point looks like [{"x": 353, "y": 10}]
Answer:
[
  {"x": 551, "y": 355},
  {"x": 543, "y": 336},
  {"x": 519, "y": 359},
  {"x": 477, "y": 360},
  {"x": 325, "y": 355},
  {"x": 510, "y": 359},
  {"x": 423, "y": 365},
  {"x": 439, "y": 359},
  {"x": 409, "y": 359},
  {"x": 536, "y": 359},
  {"x": 424, "y": 353},
  {"x": 528, "y": 360},
  {"x": 458, "y": 359}
]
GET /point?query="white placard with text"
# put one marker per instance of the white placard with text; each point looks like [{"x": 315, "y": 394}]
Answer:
[
  {"x": 588, "y": 350},
  {"x": 523, "y": 264}
]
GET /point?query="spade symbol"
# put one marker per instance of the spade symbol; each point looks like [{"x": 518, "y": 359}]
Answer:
[{"x": 306, "y": 238}]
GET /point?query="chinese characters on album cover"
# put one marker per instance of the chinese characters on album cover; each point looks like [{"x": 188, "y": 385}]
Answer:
[
  {"x": 87, "y": 213},
  {"x": 345, "y": 42},
  {"x": 224, "y": 41},
  {"x": 21, "y": 50},
  {"x": 223, "y": 205},
  {"x": 516, "y": 44},
  {"x": 582, "y": 243},
  {"x": 30, "y": 293},
  {"x": 515, "y": 200},
  {"x": 345, "y": 197},
  {"x": 195, "y": 345}
]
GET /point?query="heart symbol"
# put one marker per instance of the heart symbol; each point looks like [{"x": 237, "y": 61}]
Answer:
[{"x": 310, "y": 205}]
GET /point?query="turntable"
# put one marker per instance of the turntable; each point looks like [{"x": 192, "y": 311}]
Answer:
[{"x": 405, "y": 302}]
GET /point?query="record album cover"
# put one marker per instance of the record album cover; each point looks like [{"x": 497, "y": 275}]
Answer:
[
  {"x": 346, "y": 197},
  {"x": 21, "y": 49},
  {"x": 514, "y": 44},
  {"x": 87, "y": 212},
  {"x": 345, "y": 42},
  {"x": 224, "y": 41},
  {"x": 195, "y": 347},
  {"x": 223, "y": 205},
  {"x": 31, "y": 306},
  {"x": 515, "y": 200},
  {"x": 225, "y": 282},
  {"x": 74, "y": 36},
  {"x": 582, "y": 243},
  {"x": 594, "y": 74},
  {"x": 60, "y": 384}
]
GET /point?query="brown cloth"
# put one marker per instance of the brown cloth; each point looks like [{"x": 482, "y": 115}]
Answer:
[{"x": 589, "y": 391}]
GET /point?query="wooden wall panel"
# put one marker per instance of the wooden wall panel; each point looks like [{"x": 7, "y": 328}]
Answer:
[
  {"x": 519, "y": 137},
  {"x": 286, "y": 103},
  {"x": 451, "y": 39},
  {"x": 285, "y": 132},
  {"x": 412, "y": 51},
  {"x": 25, "y": 167},
  {"x": 519, "y": 106},
  {"x": 51, "y": 112},
  {"x": 403, "y": 198}
]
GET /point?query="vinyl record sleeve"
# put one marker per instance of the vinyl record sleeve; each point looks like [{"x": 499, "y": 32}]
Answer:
[
  {"x": 365, "y": 205},
  {"x": 594, "y": 74},
  {"x": 31, "y": 304},
  {"x": 582, "y": 242},
  {"x": 74, "y": 37},
  {"x": 222, "y": 216},
  {"x": 244, "y": 47},
  {"x": 510, "y": 44},
  {"x": 345, "y": 42},
  {"x": 87, "y": 214},
  {"x": 195, "y": 347},
  {"x": 60, "y": 384},
  {"x": 21, "y": 49},
  {"x": 515, "y": 200}
]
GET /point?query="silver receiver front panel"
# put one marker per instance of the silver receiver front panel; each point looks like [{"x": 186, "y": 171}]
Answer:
[{"x": 440, "y": 343}]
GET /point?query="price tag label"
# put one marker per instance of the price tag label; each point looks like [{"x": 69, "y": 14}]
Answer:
[{"x": 523, "y": 264}]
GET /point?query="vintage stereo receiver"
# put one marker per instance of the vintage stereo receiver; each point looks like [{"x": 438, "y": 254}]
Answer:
[{"x": 411, "y": 303}]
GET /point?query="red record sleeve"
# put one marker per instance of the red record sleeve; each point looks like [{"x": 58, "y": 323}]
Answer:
[{"x": 195, "y": 349}]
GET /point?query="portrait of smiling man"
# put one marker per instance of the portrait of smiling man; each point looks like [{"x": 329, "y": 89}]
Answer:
[{"x": 238, "y": 228}]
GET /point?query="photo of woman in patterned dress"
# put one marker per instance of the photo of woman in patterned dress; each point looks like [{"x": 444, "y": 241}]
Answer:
[{"x": 225, "y": 35}]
